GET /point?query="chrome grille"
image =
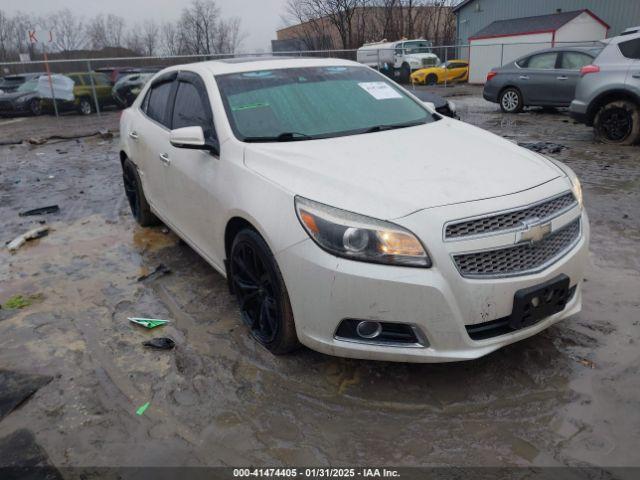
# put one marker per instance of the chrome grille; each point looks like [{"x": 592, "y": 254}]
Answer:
[
  {"x": 519, "y": 259},
  {"x": 510, "y": 220}
]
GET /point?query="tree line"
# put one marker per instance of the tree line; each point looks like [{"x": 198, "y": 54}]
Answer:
[
  {"x": 200, "y": 29},
  {"x": 354, "y": 22}
]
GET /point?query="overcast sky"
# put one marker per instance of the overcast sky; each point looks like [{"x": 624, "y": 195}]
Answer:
[{"x": 260, "y": 18}]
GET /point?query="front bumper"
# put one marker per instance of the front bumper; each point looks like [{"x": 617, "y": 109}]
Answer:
[
  {"x": 324, "y": 290},
  {"x": 14, "y": 108}
]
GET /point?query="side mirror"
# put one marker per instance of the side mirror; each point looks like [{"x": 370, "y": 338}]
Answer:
[
  {"x": 430, "y": 105},
  {"x": 193, "y": 138}
]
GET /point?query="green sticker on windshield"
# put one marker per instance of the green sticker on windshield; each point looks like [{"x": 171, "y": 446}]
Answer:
[{"x": 250, "y": 106}]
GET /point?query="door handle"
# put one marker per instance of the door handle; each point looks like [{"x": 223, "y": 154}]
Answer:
[
  {"x": 562, "y": 77},
  {"x": 133, "y": 135},
  {"x": 165, "y": 158},
  {"x": 524, "y": 77},
  {"x": 636, "y": 75}
]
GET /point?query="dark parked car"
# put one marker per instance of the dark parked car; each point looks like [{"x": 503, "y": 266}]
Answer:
[
  {"x": 10, "y": 83},
  {"x": 547, "y": 78},
  {"x": 128, "y": 87},
  {"x": 25, "y": 99},
  {"x": 116, "y": 73}
]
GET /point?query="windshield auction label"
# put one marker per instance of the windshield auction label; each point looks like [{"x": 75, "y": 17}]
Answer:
[{"x": 379, "y": 90}]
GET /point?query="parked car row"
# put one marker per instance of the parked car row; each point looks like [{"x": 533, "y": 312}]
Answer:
[
  {"x": 600, "y": 85},
  {"x": 24, "y": 94}
]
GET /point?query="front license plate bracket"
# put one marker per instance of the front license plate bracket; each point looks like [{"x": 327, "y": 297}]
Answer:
[{"x": 530, "y": 305}]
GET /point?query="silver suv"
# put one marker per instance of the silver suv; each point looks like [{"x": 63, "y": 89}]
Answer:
[{"x": 608, "y": 92}]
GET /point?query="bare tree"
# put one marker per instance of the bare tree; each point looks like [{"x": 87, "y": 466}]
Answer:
[
  {"x": 198, "y": 25},
  {"x": 106, "y": 31},
  {"x": 150, "y": 31},
  {"x": 171, "y": 40},
  {"x": 229, "y": 36},
  {"x": 134, "y": 40},
  {"x": 69, "y": 32},
  {"x": 350, "y": 23},
  {"x": 22, "y": 23},
  {"x": 201, "y": 30},
  {"x": 6, "y": 37}
]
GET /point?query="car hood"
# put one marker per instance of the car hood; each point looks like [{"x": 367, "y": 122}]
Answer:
[{"x": 393, "y": 173}]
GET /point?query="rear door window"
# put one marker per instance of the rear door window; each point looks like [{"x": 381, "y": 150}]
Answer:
[
  {"x": 157, "y": 103},
  {"x": 574, "y": 60},
  {"x": 543, "y": 61},
  {"x": 630, "y": 48}
]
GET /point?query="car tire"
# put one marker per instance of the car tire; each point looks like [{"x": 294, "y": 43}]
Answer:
[
  {"x": 262, "y": 295},
  {"x": 405, "y": 73},
  {"x": 511, "y": 101},
  {"x": 432, "y": 79},
  {"x": 140, "y": 208},
  {"x": 35, "y": 107},
  {"x": 85, "y": 107},
  {"x": 618, "y": 123}
]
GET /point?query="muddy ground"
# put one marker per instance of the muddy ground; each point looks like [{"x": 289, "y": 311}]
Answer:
[{"x": 568, "y": 396}]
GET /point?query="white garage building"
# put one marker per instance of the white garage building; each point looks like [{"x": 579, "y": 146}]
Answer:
[{"x": 505, "y": 40}]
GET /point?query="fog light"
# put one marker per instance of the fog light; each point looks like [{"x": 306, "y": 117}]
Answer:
[{"x": 367, "y": 329}]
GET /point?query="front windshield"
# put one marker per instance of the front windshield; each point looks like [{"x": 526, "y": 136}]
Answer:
[
  {"x": 30, "y": 86},
  {"x": 315, "y": 102}
]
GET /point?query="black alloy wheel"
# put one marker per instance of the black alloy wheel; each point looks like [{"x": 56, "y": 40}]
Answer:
[
  {"x": 140, "y": 208},
  {"x": 35, "y": 107},
  {"x": 131, "y": 189},
  {"x": 618, "y": 123},
  {"x": 262, "y": 296}
]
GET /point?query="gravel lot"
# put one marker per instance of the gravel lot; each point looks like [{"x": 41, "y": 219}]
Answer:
[{"x": 568, "y": 396}]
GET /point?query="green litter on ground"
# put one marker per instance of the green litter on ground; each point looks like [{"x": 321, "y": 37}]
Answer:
[
  {"x": 142, "y": 409},
  {"x": 148, "y": 322},
  {"x": 20, "y": 301}
]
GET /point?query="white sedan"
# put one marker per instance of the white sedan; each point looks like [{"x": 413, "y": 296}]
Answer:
[{"x": 350, "y": 217}]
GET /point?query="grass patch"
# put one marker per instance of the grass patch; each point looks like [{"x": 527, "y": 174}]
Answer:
[{"x": 19, "y": 301}]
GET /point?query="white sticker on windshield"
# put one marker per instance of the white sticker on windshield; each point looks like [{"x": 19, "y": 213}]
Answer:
[{"x": 379, "y": 90}]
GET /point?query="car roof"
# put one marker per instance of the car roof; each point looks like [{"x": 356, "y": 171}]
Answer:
[
  {"x": 567, "y": 49},
  {"x": 249, "y": 64}
]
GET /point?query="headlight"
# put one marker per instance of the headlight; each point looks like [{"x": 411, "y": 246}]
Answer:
[
  {"x": 358, "y": 237},
  {"x": 576, "y": 187}
]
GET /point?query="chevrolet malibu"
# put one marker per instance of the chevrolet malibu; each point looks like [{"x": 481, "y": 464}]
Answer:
[{"x": 331, "y": 200}]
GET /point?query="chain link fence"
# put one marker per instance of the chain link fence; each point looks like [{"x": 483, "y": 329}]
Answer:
[{"x": 97, "y": 79}]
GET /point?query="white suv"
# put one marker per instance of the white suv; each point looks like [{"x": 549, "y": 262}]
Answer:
[{"x": 308, "y": 184}]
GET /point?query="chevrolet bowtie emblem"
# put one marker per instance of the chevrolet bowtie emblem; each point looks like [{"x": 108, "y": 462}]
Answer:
[{"x": 533, "y": 232}]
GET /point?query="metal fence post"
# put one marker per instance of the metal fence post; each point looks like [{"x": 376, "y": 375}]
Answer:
[
  {"x": 53, "y": 94},
  {"x": 502, "y": 54},
  {"x": 93, "y": 89},
  {"x": 446, "y": 57}
]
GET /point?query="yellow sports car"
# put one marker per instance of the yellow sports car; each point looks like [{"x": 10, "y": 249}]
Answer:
[{"x": 452, "y": 71}]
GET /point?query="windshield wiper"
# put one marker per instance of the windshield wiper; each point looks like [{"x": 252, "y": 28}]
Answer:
[
  {"x": 381, "y": 128},
  {"x": 283, "y": 137}
]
